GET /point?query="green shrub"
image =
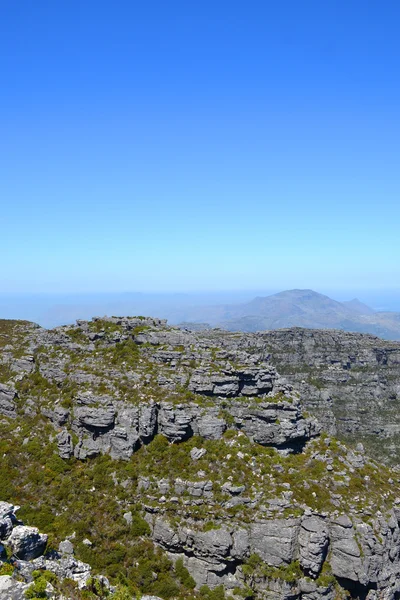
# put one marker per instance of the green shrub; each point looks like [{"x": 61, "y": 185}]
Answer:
[
  {"x": 37, "y": 589},
  {"x": 183, "y": 575},
  {"x": 217, "y": 593},
  {"x": 139, "y": 526},
  {"x": 121, "y": 593},
  {"x": 6, "y": 569}
]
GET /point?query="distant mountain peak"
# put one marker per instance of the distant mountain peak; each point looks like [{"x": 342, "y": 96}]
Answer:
[{"x": 302, "y": 308}]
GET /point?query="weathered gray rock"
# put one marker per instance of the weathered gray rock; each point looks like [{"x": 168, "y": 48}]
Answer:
[
  {"x": 6, "y": 509},
  {"x": 123, "y": 444},
  {"x": 313, "y": 544},
  {"x": 197, "y": 453},
  {"x": 174, "y": 421},
  {"x": 25, "y": 364},
  {"x": 128, "y": 517},
  {"x": 66, "y": 566},
  {"x": 26, "y": 542},
  {"x": 11, "y": 589},
  {"x": 87, "y": 448},
  {"x": 248, "y": 382},
  {"x": 349, "y": 381},
  {"x": 6, "y": 526},
  {"x": 197, "y": 489},
  {"x": 59, "y": 416},
  {"x": 200, "y": 383},
  {"x": 8, "y": 396},
  {"x": 64, "y": 444},
  {"x": 233, "y": 489},
  {"x": 66, "y": 547},
  {"x": 211, "y": 427},
  {"x": 148, "y": 421},
  {"x": 275, "y": 540},
  {"x": 274, "y": 423},
  {"x": 346, "y": 555},
  {"x": 97, "y": 418},
  {"x": 28, "y": 545},
  {"x": 209, "y": 544}
]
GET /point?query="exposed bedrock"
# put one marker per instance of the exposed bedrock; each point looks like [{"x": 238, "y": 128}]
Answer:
[
  {"x": 361, "y": 557},
  {"x": 118, "y": 429}
]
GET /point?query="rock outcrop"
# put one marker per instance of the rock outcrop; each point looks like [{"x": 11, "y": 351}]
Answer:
[{"x": 26, "y": 549}]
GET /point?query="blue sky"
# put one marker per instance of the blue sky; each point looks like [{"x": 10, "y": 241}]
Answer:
[{"x": 199, "y": 146}]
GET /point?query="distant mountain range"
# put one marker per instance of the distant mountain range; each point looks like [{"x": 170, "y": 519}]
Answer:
[{"x": 297, "y": 308}]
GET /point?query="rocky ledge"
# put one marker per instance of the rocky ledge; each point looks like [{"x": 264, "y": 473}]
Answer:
[{"x": 102, "y": 425}]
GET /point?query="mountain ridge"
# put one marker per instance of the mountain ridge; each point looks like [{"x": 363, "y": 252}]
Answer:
[{"x": 299, "y": 308}]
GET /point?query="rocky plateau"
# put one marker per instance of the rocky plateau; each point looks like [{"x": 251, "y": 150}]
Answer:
[{"x": 239, "y": 462}]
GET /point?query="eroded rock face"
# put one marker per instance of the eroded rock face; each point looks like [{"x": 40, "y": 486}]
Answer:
[
  {"x": 95, "y": 418},
  {"x": 248, "y": 382},
  {"x": 11, "y": 589},
  {"x": 350, "y": 381},
  {"x": 275, "y": 540},
  {"x": 313, "y": 541},
  {"x": 356, "y": 554},
  {"x": 119, "y": 430},
  {"x": 254, "y": 399}
]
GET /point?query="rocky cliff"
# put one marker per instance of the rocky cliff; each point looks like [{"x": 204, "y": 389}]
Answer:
[
  {"x": 350, "y": 381},
  {"x": 188, "y": 467}
]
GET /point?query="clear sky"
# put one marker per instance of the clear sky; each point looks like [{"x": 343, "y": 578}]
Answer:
[{"x": 199, "y": 145}]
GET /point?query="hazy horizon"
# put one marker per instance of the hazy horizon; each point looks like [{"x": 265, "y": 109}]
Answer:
[{"x": 51, "y": 310}]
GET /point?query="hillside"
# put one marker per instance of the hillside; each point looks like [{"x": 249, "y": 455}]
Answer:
[
  {"x": 183, "y": 465},
  {"x": 299, "y": 308}
]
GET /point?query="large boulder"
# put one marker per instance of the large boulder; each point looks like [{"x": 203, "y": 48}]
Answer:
[
  {"x": 26, "y": 542},
  {"x": 6, "y": 509},
  {"x": 148, "y": 421},
  {"x": 346, "y": 559}
]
